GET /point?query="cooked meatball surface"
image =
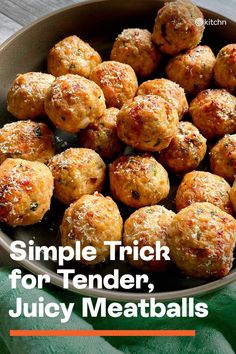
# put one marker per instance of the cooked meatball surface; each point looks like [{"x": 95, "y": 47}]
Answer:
[
  {"x": 200, "y": 186},
  {"x": 214, "y": 113},
  {"x": 72, "y": 56},
  {"x": 233, "y": 196},
  {"x": 225, "y": 67},
  {"x": 134, "y": 47},
  {"x": 72, "y": 102},
  {"x": 25, "y": 191},
  {"x": 102, "y": 137},
  {"x": 26, "y": 140},
  {"x": 147, "y": 226},
  {"x": 138, "y": 180},
  {"x": 192, "y": 70},
  {"x": 117, "y": 80},
  {"x": 186, "y": 150},
  {"x": 25, "y": 99},
  {"x": 223, "y": 158},
  {"x": 169, "y": 90},
  {"x": 76, "y": 172},
  {"x": 147, "y": 123},
  {"x": 92, "y": 219},
  {"x": 178, "y": 27},
  {"x": 201, "y": 239}
]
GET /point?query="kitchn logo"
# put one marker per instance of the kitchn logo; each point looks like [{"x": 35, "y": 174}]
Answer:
[{"x": 209, "y": 22}]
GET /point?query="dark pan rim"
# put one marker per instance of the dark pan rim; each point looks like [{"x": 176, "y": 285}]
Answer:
[{"x": 37, "y": 269}]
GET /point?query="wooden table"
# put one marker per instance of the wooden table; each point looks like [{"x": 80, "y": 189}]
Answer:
[{"x": 14, "y": 14}]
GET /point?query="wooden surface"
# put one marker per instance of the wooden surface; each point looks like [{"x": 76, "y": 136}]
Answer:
[{"x": 14, "y": 14}]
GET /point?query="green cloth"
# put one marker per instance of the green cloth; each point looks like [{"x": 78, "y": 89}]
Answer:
[{"x": 216, "y": 334}]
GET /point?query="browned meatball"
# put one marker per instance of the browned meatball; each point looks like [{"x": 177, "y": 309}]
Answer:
[
  {"x": 214, "y": 113},
  {"x": 232, "y": 195},
  {"x": 147, "y": 226},
  {"x": 72, "y": 56},
  {"x": 92, "y": 220},
  {"x": 134, "y": 47},
  {"x": 169, "y": 90},
  {"x": 200, "y": 186},
  {"x": 138, "y": 180},
  {"x": 25, "y": 191},
  {"x": 102, "y": 137},
  {"x": 26, "y": 140},
  {"x": 147, "y": 123},
  {"x": 77, "y": 172},
  {"x": 186, "y": 149},
  {"x": 117, "y": 80},
  {"x": 201, "y": 239},
  {"x": 192, "y": 70},
  {"x": 25, "y": 99},
  {"x": 179, "y": 26},
  {"x": 225, "y": 67},
  {"x": 223, "y": 158},
  {"x": 72, "y": 102}
]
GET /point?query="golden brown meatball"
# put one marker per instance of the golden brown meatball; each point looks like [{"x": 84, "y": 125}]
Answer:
[
  {"x": 25, "y": 99},
  {"x": 117, "y": 81},
  {"x": 223, "y": 158},
  {"x": 169, "y": 90},
  {"x": 25, "y": 191},
  {"x": 201, "y": 239},
  {"x": 225, "y": 67},
  {"x": 138, "y": 180},
  {"x": 200, "y": 186},
  {"x": 72, "y": 102},
  {"x": 92, "y": 220},
  {"x": 134, "y": 47},
  {"x": 186, "y": 149},
  {"x": 26, "y": 140},
  {"x": 179, "y": 26},
  {"x": 147, "y": 123},
  {"x": 192, "y": 70},
  {"x": 232, "y": 195},
  {"x": 102, "y": 137},
  {"x": 76, "y": 172},
  {"x": 72, "y": 56},
  {"x": 214, "y": 113},
  {"x": 148, "y": 225}
]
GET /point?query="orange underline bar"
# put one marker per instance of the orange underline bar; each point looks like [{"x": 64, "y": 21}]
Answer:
[{"x": 100, "y": 332}]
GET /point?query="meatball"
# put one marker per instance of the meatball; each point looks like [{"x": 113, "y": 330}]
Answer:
[
  {"x": 76, "y": 172},
  {"x": 134, "y": 47},
  {"x": 25, "y": 99},
  {"x": 200, "y": 186},
  {"x": 102, "y": 135},
  {"x": 232, "y": 195},
  {"x": 25, "y": 191},
  {"x": 138, "y": 180},
  {"x": 223, "y": 158},
  {"x": 72, "y": 102},
  {"x": 186, "y": 150},
  {"x": 117, "y": 80},
  {"x": 147, "y": 123},
  {"x": 169, "y": 90},
  {"x": 192, "y": 70},
  {"x": 92, "y": 220},
  {"x": 214, "y": 113},
  {"x": 201, "y": 239},
  {"x": 225, "y": 67},
  {"x": 72, "y": 56},
  {"x": 26, "y": 140},
  {"x": 179, "y": 26},
  {"x": 147, "y": 226}
]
